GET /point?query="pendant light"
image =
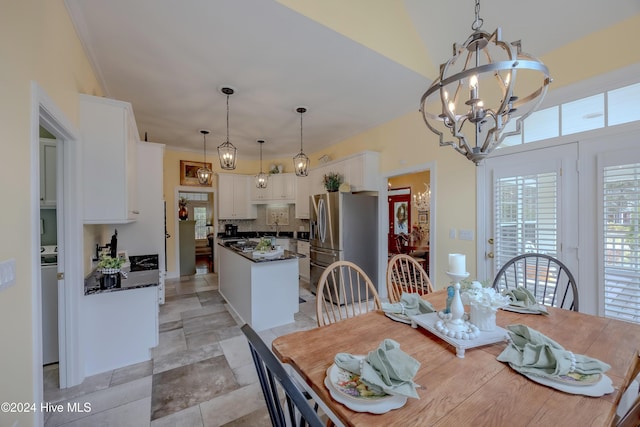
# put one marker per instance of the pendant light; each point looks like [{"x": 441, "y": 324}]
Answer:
[
  {"x": 262, "y": 178},
  {"x": 226, "y": 151},
  {"x": 301, "y": 161},
  {"x": 204, "y": 173},
  {"x": 473, "y": 121}
]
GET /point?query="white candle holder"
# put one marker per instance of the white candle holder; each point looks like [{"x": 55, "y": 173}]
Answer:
[{"x": 456, "y": 323}]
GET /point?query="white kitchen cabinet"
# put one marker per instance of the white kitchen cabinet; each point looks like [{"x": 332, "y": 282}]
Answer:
[
  {"x": 304, "y": 263},
  {"x": 315, "y": 180},
  {"x": 234, "y": 197},
  {"x": 281, "y": 188},
  {"x": 48, "y": 167},
  {"x": 302, "y": 197},
  {"x": 109, "y": 138},
  {"x": 362, "y": 171}
]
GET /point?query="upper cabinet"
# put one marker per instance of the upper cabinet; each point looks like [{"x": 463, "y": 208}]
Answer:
[
  {"x": 109, "y": 138},
  {"x": 302, "y": 197},
  {"x": 281, "y": 188},
  {"x": 360, "y": 171},
  {"x": 233, "y": 197},
  {"x": 48, "y": 167}
]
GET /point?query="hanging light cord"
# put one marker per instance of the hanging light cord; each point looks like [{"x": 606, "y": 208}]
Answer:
[
  {"x": 204, "y": 160},
  {"x": 301, "y": 131},
  {"x": 477, "y": 24},
  {"x": 227, "y": 118},
  {"x": 260, "y": 157}
]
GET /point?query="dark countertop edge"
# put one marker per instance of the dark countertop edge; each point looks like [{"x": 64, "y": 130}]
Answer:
[
  {"x": 95, "y": 291},
  {"x": 257, "y": 234},
  {"x": 288, "y": 255},
  {"x": 94, "y": 277}
]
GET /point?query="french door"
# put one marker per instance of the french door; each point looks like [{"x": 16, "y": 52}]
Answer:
[{"x": 530, "y": 205}]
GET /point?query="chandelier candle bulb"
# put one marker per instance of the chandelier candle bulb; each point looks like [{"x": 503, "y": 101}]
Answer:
[{"x": 457, "y": 263}]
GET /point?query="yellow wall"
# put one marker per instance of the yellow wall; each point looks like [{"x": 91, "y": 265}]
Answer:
[{"x": 38, "y": 43}]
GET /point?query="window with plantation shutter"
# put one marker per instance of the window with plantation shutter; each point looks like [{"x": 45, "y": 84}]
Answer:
[
  {"x": 525, "y": 216},
  {"x": 621, "y": 238}
]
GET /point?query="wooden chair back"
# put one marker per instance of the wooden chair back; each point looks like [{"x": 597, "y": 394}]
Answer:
[
  {"x": 545, "y": 276},
  {"x": 344, "y": 291},
  {"x": 285, "y": 401},
  {"x": 405, "y": 274}
]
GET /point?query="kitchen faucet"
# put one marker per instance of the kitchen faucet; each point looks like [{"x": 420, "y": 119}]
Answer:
[{"x": 277, "y": 223}]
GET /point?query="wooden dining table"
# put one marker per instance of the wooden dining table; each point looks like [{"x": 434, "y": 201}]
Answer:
[{"x": 475, "y": 390}]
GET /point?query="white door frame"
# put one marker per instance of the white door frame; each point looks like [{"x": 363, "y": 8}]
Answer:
[
  {"x": 176, "y": 234},
  {"x": 45, "y": 113},
  {"x": 383, "y": 218}
]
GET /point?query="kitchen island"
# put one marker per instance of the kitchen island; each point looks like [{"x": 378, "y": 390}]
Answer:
[{"x": 262, "y": 292}]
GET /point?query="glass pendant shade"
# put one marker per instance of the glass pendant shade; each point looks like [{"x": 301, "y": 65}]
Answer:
[
  {"x": 262, "y": 178},
  {"x": 204, "y": 173},
  {"x": 226, "y": 151},
  {"x": 301, "y": 161}
]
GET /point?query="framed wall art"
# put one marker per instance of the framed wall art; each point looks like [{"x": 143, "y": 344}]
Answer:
[{"x": 189, "y": 173}]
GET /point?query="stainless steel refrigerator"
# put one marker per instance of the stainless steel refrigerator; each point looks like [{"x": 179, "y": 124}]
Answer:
[{"x": 343, "y": 226}]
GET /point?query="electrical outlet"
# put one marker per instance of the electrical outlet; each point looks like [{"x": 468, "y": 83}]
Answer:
[
  {"x": 452, "y": 233},
  {"x": 465, "y": 235},
  {"x": 7, "y": 273}
]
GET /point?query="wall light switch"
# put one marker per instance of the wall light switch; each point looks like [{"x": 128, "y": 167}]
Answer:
[
  {"x": 7, "y": 273},
  {"x": 465, "y": 235},
  {"x": 452, "y": 233}
]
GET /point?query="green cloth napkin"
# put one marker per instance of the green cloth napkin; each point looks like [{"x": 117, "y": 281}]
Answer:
[
  {"x": 523, "y": 298},
  {"x": 386, "y": 369},
  {"x": 530, "y": 352},
  {"x": 409, "y": 305}
]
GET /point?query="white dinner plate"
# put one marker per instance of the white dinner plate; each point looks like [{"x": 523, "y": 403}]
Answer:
[
  {"x": 379, "y": 404},
  {"x": 602, "y": 387}
]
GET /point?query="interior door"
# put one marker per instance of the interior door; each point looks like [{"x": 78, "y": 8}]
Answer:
[
  {"x": 399, "y": 219},
  {"x": 531, "y": 206}
]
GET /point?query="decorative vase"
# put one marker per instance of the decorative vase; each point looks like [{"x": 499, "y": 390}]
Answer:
[
  {"x": 110, "y": 280},
  {"x": 183, "y": 213},
  {"x": 483, "y": 317}
]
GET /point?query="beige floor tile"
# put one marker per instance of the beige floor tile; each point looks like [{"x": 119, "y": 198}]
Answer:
[
  {"x": 189, "y": 417},
  {"x": 236, "y": 350},
  {"x": 133, "y": 414},
  {"x": 170, "y": 342},
  {"x": 103, "y": 400},
  {"x": 231, "y": 406},
  {"x": 186, "y": 357},
  {"x": 89, "y": 385}
]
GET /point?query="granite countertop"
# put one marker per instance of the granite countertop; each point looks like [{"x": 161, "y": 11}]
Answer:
[
  {"x": 134, "y": 280},
  {"x": 249, "y": 255},
  {"x": 301, "y": 235}
]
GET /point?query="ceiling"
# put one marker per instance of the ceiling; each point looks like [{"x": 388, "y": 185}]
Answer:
[{"x": 170, "y": 58}]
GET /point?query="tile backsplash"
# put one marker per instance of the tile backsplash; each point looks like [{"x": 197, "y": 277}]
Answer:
[{"x": 261, "y": 222}]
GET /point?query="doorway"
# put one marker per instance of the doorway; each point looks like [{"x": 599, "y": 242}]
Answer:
[
  {"x": 195, "y": 252},
  {"x": 48, "y": 116},
  {"x": 399, "y": 207}
]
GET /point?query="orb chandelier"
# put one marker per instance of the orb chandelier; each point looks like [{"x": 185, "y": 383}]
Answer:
[
  {"x": 226, "y": 151},
  {"x": 474, "y": 121},
  {"x": 204, "y": 173},
  {"x": 261, "y": 178},
  {"x": 301, "y": 161}
]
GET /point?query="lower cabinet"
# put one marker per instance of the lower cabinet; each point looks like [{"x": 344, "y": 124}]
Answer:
[{"x": 304, "y": 267}]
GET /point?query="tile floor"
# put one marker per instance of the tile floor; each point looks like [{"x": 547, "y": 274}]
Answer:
[{"x": 201, "y": 373}]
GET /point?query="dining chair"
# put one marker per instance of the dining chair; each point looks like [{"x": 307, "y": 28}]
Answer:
[
  {"x": 344, "y": 291},
  {"x": 545, "y": 276},
  {"x": 405, "y": 274},
  {"x": 274, "y": 380},
  {"x": 632, "y": 417}
]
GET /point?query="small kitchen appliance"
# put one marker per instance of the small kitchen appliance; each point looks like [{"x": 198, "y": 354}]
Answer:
[{"x": 230, "y": 230}]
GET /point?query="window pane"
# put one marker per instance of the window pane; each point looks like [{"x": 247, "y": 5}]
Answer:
[
  {"x": 541, "y": 125},
  {"x": 511, "y": 140},
  {"x": 621, "y": 206},
  {"x": 525, "y": 216},
  {"x": 200, "y": 215},
  {"x": 583, "y": 114},
  {"x": 623, "y": 104}
]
